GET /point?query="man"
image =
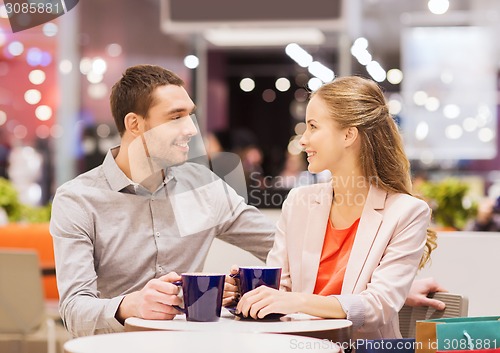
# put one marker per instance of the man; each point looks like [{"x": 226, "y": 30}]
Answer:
[
  {"x": 487, "y": 218},
  {"x": 123, "y": 231}
]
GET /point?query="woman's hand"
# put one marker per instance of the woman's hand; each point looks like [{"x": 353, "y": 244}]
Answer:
[
  {"x": 419, "y": 290},
  {"x": 231, "y": 288},
  {"x": 265, "y": 300}
]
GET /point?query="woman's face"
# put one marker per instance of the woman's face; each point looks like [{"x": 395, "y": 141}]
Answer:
[{"x": 323, "y": 140}]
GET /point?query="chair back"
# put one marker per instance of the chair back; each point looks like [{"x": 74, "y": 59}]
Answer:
[
  {"x": 457, "y": 305},
  {"x": 22, "y": 307}
]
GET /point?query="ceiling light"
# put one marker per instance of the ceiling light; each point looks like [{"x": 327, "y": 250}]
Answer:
[
  {"x": 321, "y": 71},
  {"x": 376, "y": 71},
  {"x": 298, "y": 54},
  {"x": 264, "y": 37},
  {"x": 438, "y": 7}
]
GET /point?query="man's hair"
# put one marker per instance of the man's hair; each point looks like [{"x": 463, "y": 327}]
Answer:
[{"x": 133, "y": 93}]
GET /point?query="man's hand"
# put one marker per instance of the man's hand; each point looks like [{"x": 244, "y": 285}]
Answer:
[
  {"x": 485, "y": 211},
  {"x": 153, "y": 302},
  {"x": 419, "y": 290}
]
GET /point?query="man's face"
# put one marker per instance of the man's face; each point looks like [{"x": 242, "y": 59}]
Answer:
[{"x": 165, "y": 132}]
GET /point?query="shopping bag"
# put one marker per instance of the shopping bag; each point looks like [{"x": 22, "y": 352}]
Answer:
[
  {"x": 469, "y": 334},
  {"x": 425, "y": 336},
  {"x": 459, "y": 333}
]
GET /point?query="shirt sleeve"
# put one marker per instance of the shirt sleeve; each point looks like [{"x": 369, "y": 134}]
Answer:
[
  {"x": 82, "y": 310},
  {"x": 354, "y": 309},
  {"x": 247, "y": 228}
]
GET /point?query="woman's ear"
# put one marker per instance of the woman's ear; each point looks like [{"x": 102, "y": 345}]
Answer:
[
  {"x": 132, "y": 124},
  {"x": 351, "y": 135}
]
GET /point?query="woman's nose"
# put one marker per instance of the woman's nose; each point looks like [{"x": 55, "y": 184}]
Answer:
[{"x": 302, "y": 141}]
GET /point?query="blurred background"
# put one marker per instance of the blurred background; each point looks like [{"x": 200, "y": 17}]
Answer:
[{"x": 249, "y": 67}]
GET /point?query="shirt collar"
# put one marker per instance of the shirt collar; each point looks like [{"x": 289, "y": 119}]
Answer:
[{"x": 115, "y": 176}]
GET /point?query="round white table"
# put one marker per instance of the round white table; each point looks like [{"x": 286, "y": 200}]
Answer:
[
  {"x": 334, "y": 330},
  {"x": 189, "y": 342}
]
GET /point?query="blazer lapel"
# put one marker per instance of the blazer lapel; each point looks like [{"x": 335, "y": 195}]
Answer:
[
  {"x": 368, "y": 227},
  {"x": 318, "y": 214}
]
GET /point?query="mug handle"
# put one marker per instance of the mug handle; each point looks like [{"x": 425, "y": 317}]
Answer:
[{"x": 182, "y": 310}]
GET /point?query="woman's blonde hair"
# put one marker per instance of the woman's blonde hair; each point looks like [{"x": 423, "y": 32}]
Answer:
[{"x": 358, "y": 102}]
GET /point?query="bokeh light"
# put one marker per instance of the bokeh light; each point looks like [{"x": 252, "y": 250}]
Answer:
[
  {"x": 20, "y": 132},
  {"x": 282, "y": 84},
  {"x": 65, "y": 66},
  {"x": 50, "y": 29},
  {"x": 97, "y": 90},
  {"x": 247, "y": 84},
  {"x": 3, "y": 117},
  {"x": 36, "y": 77},
  {"x": 32, "y": 96},
  {"x": 43, "y": 112},
  {"x": 269, "y": 95},
  {"x": 15, "y": 48},
  {"x": 42, "y": 131},
  {"x": 114, "y": 49},
  {"x": 191, "y": 61}
]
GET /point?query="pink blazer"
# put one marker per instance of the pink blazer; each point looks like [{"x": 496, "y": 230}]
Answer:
[{"x": 384, "y": 259}]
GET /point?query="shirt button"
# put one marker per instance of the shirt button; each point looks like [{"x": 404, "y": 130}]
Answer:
[
  {"x": 160, "y": 269},
  {"x": 157, "y": 234},
  {"x": 152, "y": 198}
]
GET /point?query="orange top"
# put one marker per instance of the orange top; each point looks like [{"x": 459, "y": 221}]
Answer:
[{"x": 336, "y": 250}]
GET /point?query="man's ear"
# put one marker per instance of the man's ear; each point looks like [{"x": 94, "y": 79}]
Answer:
[
  {"x": 132, "y": 123},
  {"x": 351, "y": 135}
]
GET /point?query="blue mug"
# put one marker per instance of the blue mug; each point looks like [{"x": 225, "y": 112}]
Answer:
[
  {"x": 202, "y": 294},
  {"x": 252, "y": 277}
]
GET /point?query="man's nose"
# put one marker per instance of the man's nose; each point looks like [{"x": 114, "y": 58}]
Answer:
[{"x": 190, "y": 127}]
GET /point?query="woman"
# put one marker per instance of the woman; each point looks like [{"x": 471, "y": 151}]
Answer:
[{"x": 349, "y": 248}]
